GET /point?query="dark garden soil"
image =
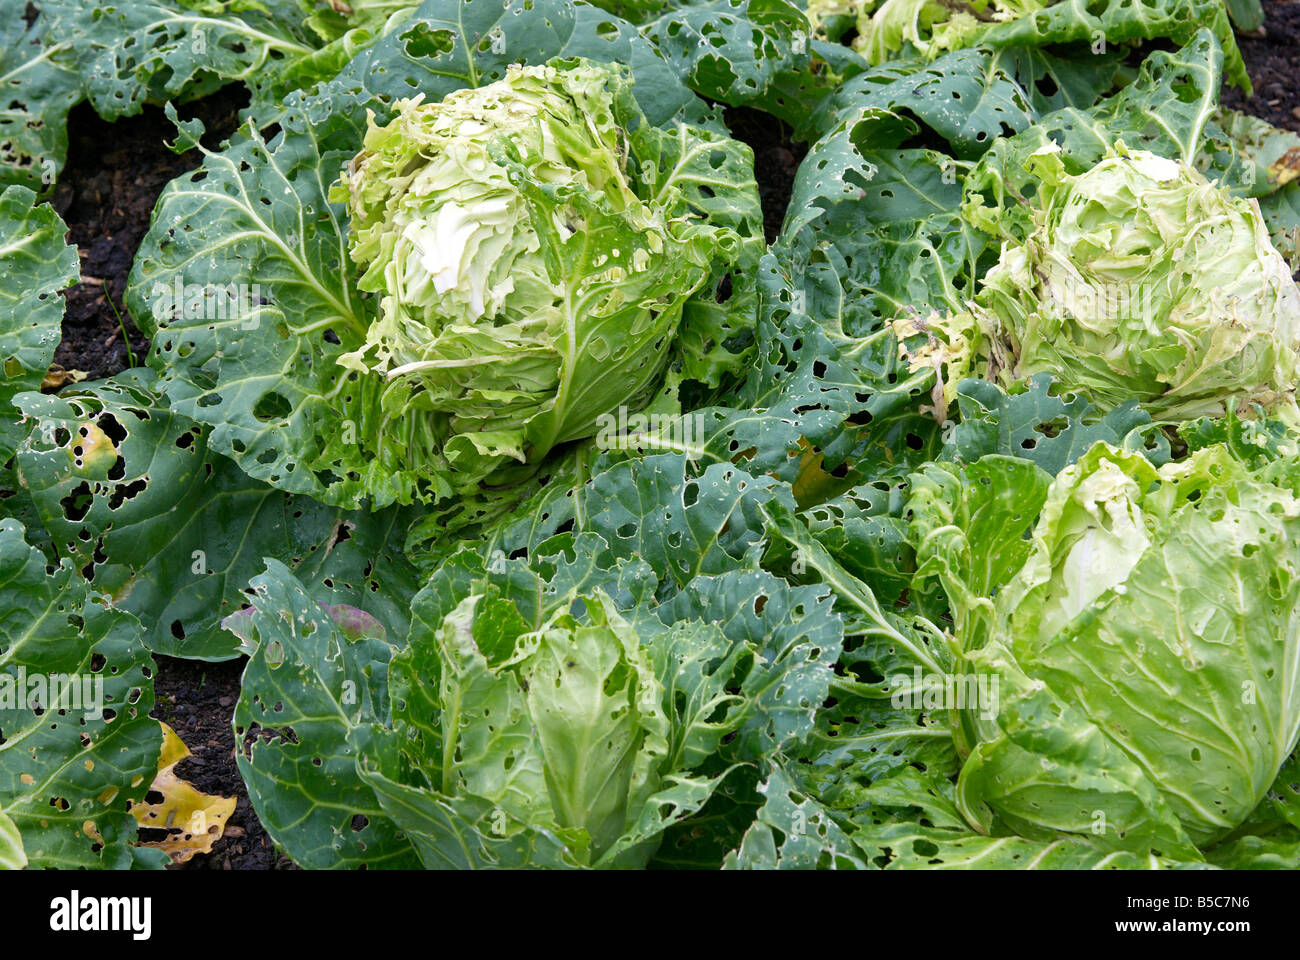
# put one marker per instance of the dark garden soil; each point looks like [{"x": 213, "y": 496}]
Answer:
[
  {"x": 1274, "y": 64},
  {"x": 776, "y": 158},
  {"x": 114, "y": 175}
]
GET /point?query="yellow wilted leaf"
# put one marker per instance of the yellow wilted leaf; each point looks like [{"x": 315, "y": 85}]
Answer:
[
  {"x": 813, "y": 483},
  {"x": 193, "y": 820},
  {"x": 1286, "y": 168},
  {"x": 57, "y": 377}
]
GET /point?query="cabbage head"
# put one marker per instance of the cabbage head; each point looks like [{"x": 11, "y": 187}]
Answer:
[
  {"x": 562, "y": 728},
  {"x": 1142, "y": 280},
  {"x": 1147, "y": 651},
  {"x": 893, "y": 28},
  {"x": 534, "y": 250}
]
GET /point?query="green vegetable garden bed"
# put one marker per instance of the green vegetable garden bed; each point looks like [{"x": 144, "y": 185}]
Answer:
[{"x": 469, "y": 433}]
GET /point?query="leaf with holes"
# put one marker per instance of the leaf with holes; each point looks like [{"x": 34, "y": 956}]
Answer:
[
  {"x": 794, "y": 832},
  {"x": 971, "y": 97},
  {"x": 448, "y": 45},
  {"x": 172, "y": 532},
  {"x": 77, "y": 744},
  {"x": 36, "y": 263},
  {"x": 308, "y": 689},
  {"x": 751, "y": 53},
  {"x": 1104, "y": 23},
  {"x": 38, "y": 93},
  {"x": 135, "y": 52},
  {"x": 1045, "y": 424}
]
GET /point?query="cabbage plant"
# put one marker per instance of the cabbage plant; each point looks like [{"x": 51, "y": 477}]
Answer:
[
  {"x": 434, "y": 297},
  {"x": 567, "y": 708},
  {"x": 1146, "y": 651},
  {"x": 1141, "y": 281}
]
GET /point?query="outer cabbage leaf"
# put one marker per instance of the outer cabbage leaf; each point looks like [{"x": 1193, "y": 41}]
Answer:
[
  {"x": 794, "y": 832},
  {"x": 68, "y": 776},
  {"x": 41, "y": 91},
  {"x": 1266, "y": 164},
  {"x": 1247, "y": 15},
  {"x": 148, "y": 51},
  {"x": 795, "y": 639},
  {"x": 450, "y": 44},
  {"x": 172, "y": 533},
  {"x": 662, "y": 512},
  {"x": 861, "y": 740},
  {"x": 896, "y": 841},
  {"x": 971, "y": 97},
  {"x": 1258, "y": 853},
  {"x": 1044, "y": 423},
  {"x": 36, "y": 262},
  {"x": 1119, "y": 22},
  {"x": 309, "y": 691},
  {"x": 751, "y": 53}
]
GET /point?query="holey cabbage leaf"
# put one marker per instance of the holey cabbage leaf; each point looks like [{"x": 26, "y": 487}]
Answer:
[
  {"x": 532, "y": 274},
  {"x": 77, "y": 743},
  {"x": 171, "y": 532},
  {"x": 1146, "y": 649},
  {"x": 36, "y": 262},
  {"x": 893, "y": 31},
  {"x": 399, "y": 310},
  {"x": 1141, "y": 280}
]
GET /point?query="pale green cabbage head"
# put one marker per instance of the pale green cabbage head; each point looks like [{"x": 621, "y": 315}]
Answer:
[
  {"x": 561, "y": 728},
  {"x": 530, "y": 279},
  {"x": 1142, "y": 280},
  {"x": 1148, "y": 653}
]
